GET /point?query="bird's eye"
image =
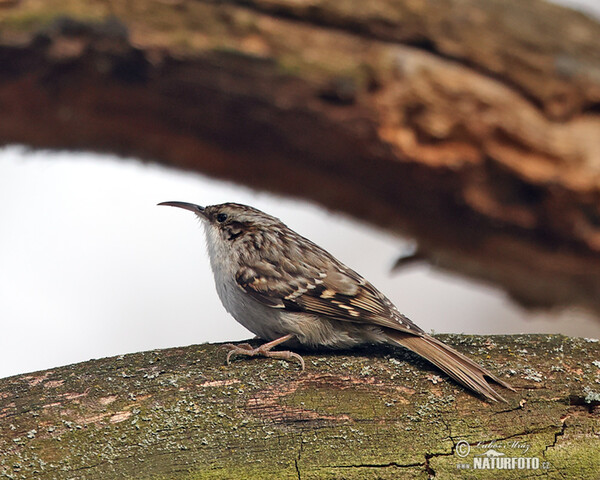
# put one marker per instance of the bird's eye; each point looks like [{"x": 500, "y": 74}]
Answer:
[{"x": 221, "y": 217}]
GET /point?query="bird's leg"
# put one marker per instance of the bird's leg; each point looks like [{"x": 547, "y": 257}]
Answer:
[{"x": 264, "y": 350}]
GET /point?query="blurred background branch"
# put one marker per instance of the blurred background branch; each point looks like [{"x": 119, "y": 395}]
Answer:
[{"x": 472, "y": 128}]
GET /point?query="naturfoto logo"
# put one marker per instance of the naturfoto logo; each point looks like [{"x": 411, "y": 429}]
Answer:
[{"x": 497, "y": 455}]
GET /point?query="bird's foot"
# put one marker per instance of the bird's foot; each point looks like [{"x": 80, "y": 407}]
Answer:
[
  {"x": 264, "y": 350},
  {"x": 242, "y": 346}
]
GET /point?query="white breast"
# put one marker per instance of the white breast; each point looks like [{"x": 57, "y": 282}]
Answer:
[{"x": 261, "y": 320}]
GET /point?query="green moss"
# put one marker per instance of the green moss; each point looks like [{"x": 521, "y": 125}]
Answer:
[{"x": 35, "y": 17}]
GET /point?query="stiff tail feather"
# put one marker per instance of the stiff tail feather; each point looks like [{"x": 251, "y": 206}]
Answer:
[{"x": 462, "y": 369}]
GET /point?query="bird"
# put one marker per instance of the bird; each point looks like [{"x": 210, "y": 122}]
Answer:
[{"x": 286, "y": 289}]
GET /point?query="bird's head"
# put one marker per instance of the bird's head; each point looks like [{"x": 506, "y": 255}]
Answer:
[{"x": 229, "y": 221}]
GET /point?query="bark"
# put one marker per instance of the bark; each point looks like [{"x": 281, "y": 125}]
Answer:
[
  {"x": 470, "y": 125},
  {"x": 369, "y": 413}
]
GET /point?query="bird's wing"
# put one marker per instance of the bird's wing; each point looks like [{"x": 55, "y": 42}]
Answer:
[{"x": 334, "y": 291}]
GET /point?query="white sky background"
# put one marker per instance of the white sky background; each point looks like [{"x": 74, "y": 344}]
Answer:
[{"x": 91, "y": 267}]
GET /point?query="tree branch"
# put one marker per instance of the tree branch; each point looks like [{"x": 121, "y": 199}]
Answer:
[{"x": 369, "y": 413}]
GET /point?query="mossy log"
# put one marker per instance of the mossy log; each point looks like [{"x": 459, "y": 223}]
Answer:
[
  {"x": 471, "y": 126},
  {"x": 372, "y": 413}
]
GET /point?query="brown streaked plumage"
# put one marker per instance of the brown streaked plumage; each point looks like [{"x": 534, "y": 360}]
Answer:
[{"x": 284, "y": 288}]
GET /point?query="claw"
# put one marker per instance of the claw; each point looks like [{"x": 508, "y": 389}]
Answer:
[{"x": 264, "y": 350}]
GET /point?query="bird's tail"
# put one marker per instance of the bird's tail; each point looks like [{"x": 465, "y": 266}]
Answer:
[{"x": 454, "y": 364}]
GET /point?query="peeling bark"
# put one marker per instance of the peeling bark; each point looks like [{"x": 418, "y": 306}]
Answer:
[
  {"x": 469, "y": 125},
  {"x": 368, "y": 413}
]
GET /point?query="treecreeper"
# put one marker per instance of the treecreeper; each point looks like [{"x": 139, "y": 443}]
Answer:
[{"x": 286, "y": 289}]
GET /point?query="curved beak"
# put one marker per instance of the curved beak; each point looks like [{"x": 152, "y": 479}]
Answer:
[{"x": 197, "y": 209}]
